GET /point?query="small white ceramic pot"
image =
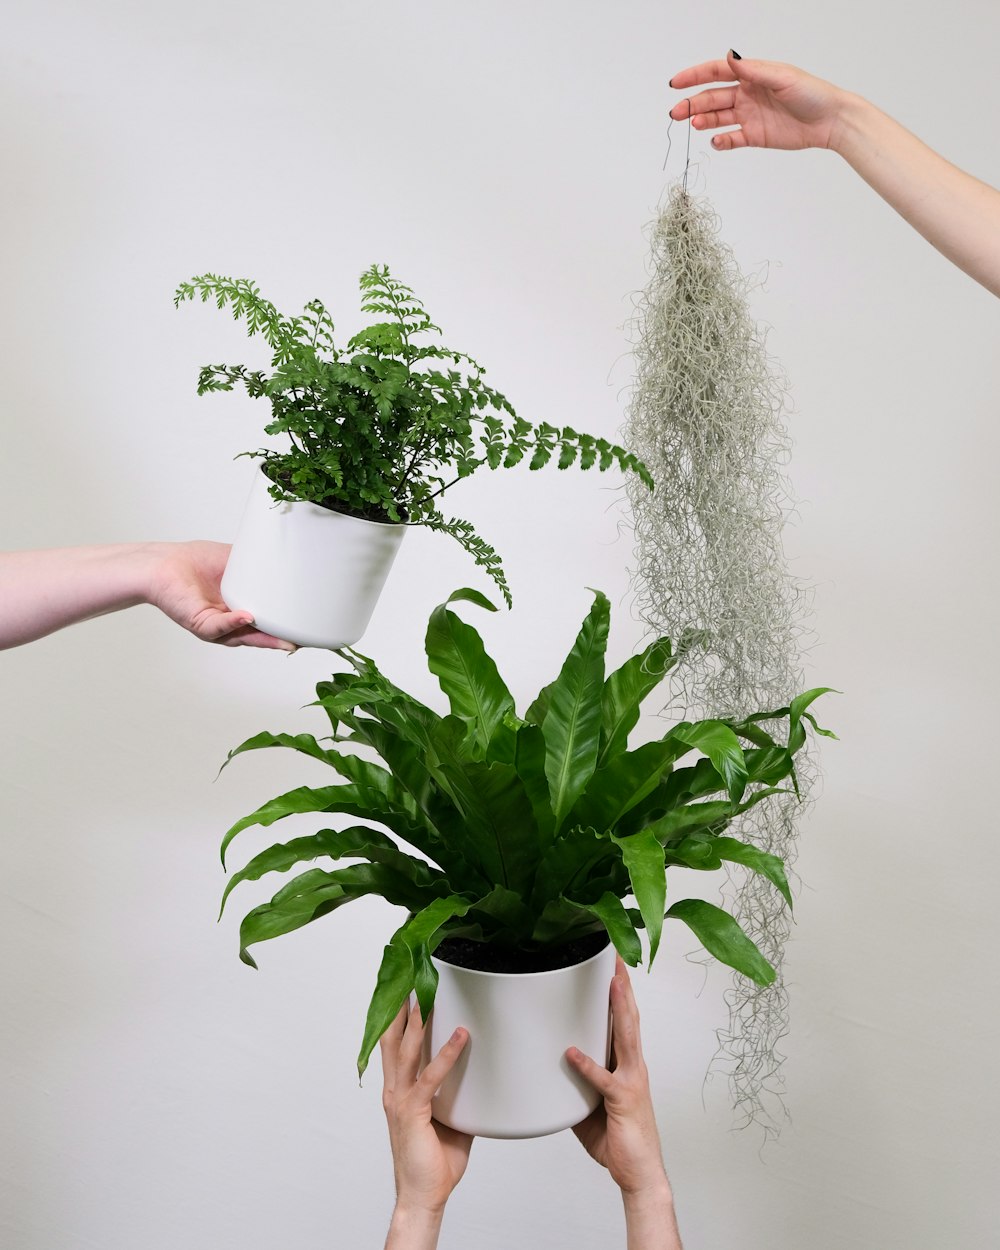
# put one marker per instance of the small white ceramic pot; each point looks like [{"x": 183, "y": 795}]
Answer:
[
  {"x": 308, "y": 574},
  {"x": 512, "y": 1078}
]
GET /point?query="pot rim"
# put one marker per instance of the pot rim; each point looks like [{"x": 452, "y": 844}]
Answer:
[
  {"x": 520, "y": 976},
  {"x": 323, "y": 510}
]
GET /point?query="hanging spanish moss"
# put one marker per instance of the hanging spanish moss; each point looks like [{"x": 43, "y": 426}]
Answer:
[{"x": 705, "y": 416}]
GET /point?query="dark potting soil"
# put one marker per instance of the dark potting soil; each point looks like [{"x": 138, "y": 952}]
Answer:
[{"x": 488, "y": 957}]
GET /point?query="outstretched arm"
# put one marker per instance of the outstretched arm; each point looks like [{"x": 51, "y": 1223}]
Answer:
[
  {"x": 621, "y": 1134},
  {"x": 42, "y": 591},
  {"x": 779, "y": 106}
]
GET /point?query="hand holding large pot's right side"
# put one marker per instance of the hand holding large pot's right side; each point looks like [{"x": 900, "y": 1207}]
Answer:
[{"x": 621, "y": 1133}]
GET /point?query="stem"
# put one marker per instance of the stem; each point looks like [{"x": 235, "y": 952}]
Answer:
[{"x": 448, "y": 485}]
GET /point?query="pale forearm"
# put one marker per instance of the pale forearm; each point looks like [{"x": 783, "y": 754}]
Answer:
[
  {"x": 955, "y": 212},
  {"x": 414, "y": 1229},
  {"x": 42, "y": 591},
  {"x": 650, "y": 1219}
]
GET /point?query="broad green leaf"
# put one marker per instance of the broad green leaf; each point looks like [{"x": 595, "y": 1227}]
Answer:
[
  {"x": 622, "y": 784},
  {"x": 508, "y": 909},
  {"x": 769, "y": 866},
  {"x": 304, "y": 743},
  {"x": 316, "y": 893},
  {"x": 612, "y": 914},
  {"x": 692, "y": 816},
  {"x": 696, "y": 851},
  {"x": 500, "y": 826},
  {"x": 468, "y": 676},
  {"x": 357, "y": 842},
  {"x": 405, "y": 962},
  {"x": 722, "y": 937},
  {"x": 377, "y": 791},
  {"x": 567, "y": 864},
  {"x": 492, "y": 809},
  {"x": 562, "y": 921},
  {"x": 623, "y": 693},
  {"x": 572, "y": 725},
  {"x": 796, "y": 713},
  {"x": 721, "y": 745},
  {"x": 539, "y": 708},
  {"x": 643, "y": 856},
  {"x": 529, "y": 763},
  {"x": 501, "y": 746},
  {"x": 303, "y": 799},
  {"x": 395, "y": 980}
]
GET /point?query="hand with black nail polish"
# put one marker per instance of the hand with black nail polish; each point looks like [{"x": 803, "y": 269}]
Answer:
[{"x": 764, "y": 104}]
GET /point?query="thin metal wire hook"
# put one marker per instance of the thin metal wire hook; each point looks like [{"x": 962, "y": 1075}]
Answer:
[{"x": 687, "y": 155}]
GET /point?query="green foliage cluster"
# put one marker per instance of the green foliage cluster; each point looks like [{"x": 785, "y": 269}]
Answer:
[
  {"x": 383, "y": 428},
  {"x": 532, "y": 830}
]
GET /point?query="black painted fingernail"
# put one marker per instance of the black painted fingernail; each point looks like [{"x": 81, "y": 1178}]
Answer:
[
  {"x": 670, "y": 82},
  {"x": 736, "y": 55}
]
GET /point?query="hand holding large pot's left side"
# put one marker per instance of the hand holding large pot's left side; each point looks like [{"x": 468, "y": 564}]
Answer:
[{"x": 428, "y": 1158}]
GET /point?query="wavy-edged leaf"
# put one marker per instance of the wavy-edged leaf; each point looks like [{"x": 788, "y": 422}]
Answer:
[
  {"x": 406, "y": 966},
  {"x": 507, "y": 910},
  {"x": 395, "y": 980},
  {"x": 468, "y": 676},
  {"x": 624, "y": 692},
  {"x": 643, "y": 857},
  {"x": 567, "y": 864},
  {"x": 797, "y": 713},
  {"x": 770, "y": 866},
  {"x": 499, "y": 822},
  {"x": 615, "y": 918},
  {"x": 316, "y": 893},
  {"x": 561, "y": 921},
  {"x": 572, "y": 724},
  {"x": 306, "y": 744},
  {"x": 722, "y": 937},
  {"x": 622, "y": 783},
  {"x": 365, "y": 803},
  {"x": 356, "y": 842},
  {"x": 717, "y": 741}
]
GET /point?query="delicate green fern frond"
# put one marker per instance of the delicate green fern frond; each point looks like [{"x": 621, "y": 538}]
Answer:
[
  {"x": 483, "y": 554},
  {"x": 244, "y": 300}
]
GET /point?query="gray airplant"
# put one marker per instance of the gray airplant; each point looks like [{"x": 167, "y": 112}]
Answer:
[{"x": 706, "y": 417}]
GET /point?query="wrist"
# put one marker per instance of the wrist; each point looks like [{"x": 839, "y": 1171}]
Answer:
[
  {"x": 150, "y": 560},
  {"x": 851, "y": 125},
  {"x": 654, "y": 1194},
  {"x": 414, "y": 1226}
]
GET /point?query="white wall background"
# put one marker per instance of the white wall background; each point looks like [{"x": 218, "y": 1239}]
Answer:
[{"x": 503, "y": 158}]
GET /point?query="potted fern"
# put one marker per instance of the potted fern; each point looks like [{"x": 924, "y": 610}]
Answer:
[
  {"x": 378, "y": 432},
  {"x": 524, "y": 839}
]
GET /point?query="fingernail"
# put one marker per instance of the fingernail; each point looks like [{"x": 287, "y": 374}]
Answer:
[
  {"x": 736, "y": 56},
  {"x": 670, "y": 82}
]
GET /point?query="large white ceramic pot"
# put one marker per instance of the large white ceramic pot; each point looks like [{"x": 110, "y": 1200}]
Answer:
[
  {"x": 308, "y": 574},
  {"x": 512, "y": 1079}
]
